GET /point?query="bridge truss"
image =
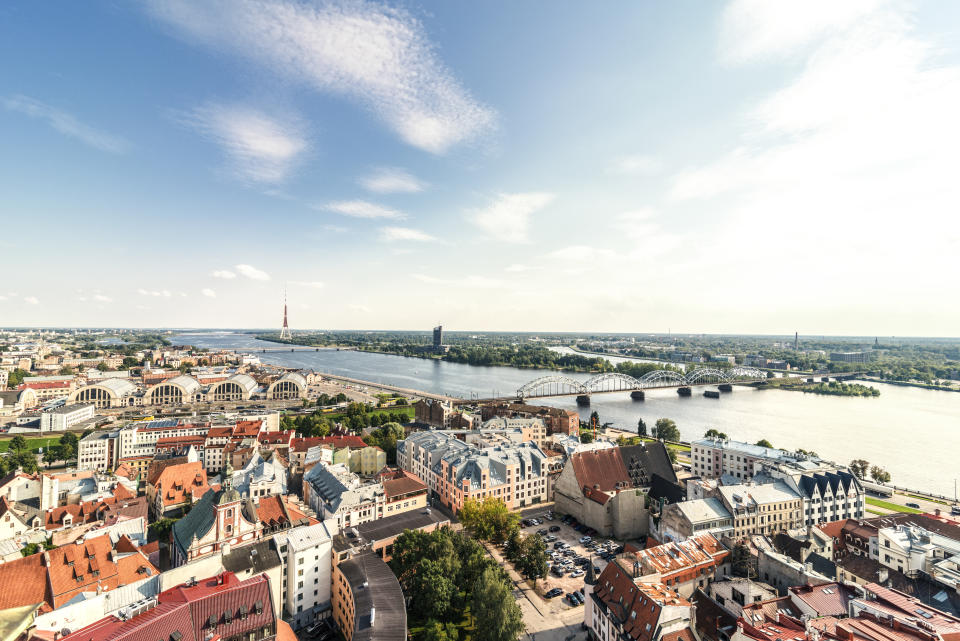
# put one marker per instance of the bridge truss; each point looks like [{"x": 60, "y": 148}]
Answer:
[{"x": 560, "y": 385}]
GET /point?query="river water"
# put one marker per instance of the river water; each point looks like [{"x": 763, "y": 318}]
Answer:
[{"x": 913, "y": 433}]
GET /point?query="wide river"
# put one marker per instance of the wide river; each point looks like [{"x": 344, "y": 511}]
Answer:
[{"x": 914, "y": 433}]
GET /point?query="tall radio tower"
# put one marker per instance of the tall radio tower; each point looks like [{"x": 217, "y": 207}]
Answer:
[{"x": 285, "y": 330}]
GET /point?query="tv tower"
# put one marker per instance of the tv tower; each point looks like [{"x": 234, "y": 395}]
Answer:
[{"x": 285, "y": 330}]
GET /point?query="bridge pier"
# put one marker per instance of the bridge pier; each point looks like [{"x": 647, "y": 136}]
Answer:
[
  {"x": 684, "y": 391},
  {"x": 637, "y": 395},
  {"x": 711, "y": 393},
  {"x": 725, "y": 387},
  {"x": 583, "y": 399}
]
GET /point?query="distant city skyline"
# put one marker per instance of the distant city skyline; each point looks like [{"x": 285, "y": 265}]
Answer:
[{"x": 741, "y": 168}]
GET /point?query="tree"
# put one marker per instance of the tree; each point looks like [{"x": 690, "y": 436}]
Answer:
[
  {"x": 594, "y": 418},
  {"x": 434, "y": 630},
  {"x": 765, "y": 443},
  {"x": 102, "y": 366},
  {"x": 489, "y": 519},
  {"x": 712, "y": 433},
  {"x": 672, "y": 454},
  {"x": 128, "y": 362},
  {"x": 586, "y": 436},
  {"x": 493, "y": 606},
  {"x": 666, "y": 429},
  {"x": 51, "y": 454},
  {"x": 532, "y": 561},
  {"x": 641, "y": 428},
  {"x": 433, "y": 590},
  {"x": 879, "y": 474},
  {"x": 160, "y": 530},
  {"x": 66, "y": 370},
  {"x": 742, "y": 562},
  {"x": 16, "y": 377},
  {"x": 18, "y": 443},
  {"x": 860, "y": 467}
]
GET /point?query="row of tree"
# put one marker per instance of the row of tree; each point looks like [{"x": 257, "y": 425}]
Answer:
[
  {"x": 451, "y": 584},
  {"x": 861, "y": 468}
]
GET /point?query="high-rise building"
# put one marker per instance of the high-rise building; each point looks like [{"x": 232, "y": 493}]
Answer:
[{"x": 438, "y": 337}]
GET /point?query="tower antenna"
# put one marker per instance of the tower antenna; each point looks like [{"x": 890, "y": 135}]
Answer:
[{"x": 285, "y": 330}]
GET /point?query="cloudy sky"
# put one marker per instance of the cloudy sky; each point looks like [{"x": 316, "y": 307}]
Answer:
[{"x": 751, "y": 166}]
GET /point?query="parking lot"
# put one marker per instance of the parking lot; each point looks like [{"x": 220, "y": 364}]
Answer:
[{"x": 569, "y": 557}]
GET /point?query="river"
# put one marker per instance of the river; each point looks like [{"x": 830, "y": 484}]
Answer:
[{"x": 914, "y": 433}]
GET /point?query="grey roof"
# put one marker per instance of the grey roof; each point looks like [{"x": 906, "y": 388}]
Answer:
[
  {"x": 68, "y": 409},
  {"x": 188, "y": 384},
  {"x": 699, "y": 510},
  {"x": 119, "y": 387},
  {"x": 377, "y": 597},
  {"x": 243, "y": 380},
  {"x": 196, "y": 523},
  {"x": 258, "y": 557},
  {"x": 391, "y": 526}
]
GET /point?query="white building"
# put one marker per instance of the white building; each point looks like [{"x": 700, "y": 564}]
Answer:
[
  {"x": 305, "y": 552},
  {"x": 334, "y": 492},
  {"x": 64, "y": 417}
]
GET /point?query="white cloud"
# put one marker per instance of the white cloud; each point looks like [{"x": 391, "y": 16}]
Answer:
[
  {"x": 856, "y": 145},
  {"x": 252, "y": 272},
  {"x": 375, "y": 54},
  {"x": 31, "y": 300},
  {"x": 757, "y": 30},
  {"x": 157, "y": 293},
  {"x": 519, "y": 268},
  {"x": 362, "y": 209},
  {"x": 636, "y": 165},
  {"x": 392, "y": 180},
  {"x": 261, "y": 149},
  {"x": 404, "y": 233},
  {"x": 315, "y": 284},
  {"x": 66, "y": 124},
  {"x": 508, "y": 218},
  {"x": 209, "y": 293},
  {"x": 477, "y": 282},
  {"x": 359, "y": 308},
  {"x": 100, "y": 298},
  {"x": 225, "y": 274}
]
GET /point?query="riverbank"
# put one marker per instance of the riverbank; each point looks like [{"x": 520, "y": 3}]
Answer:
[{"x": 833, "y": 388}]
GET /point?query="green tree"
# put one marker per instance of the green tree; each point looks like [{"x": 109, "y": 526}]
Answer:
[
  {"x": 860, "y": 467},
  {"x": 433, "y": 591},
  {"x": 489, "y": 519},
  {"x": 128, "y": 362},
  {"x": 641, "y": 428},
  {"x": 102, "y": 366},
  {"x": 494, "y": 609},
  {"x": 16, "y": 377},
  {"x": 672, "y": 455},
  {"x": 434, "y": 630},
  {"x": 879, "y": 474},
  {"x": 159, "y": 530},
  {"x": 666, "y": 429},
  {"x": 712, "y": 433},
  {"x": 742, "y": 562},
  {"x": 18, "y": 443},
  {"x": 765, "y": 443},
  {"x": 51, "y": 454},
  {"x": 586, "y": 436},
  {"x": 532, "y": 561}
]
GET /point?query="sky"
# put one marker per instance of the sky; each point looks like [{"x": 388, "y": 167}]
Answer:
[{"x": 739, "y": 167}]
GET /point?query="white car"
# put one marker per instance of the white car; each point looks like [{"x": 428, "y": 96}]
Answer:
[{"x": 576, "y": 573}]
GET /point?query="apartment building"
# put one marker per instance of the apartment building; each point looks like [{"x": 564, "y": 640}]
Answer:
[
  {"x": 557, "y": 421},
  {"x": 766, "y": 508},
  {"x": 65, "y": 417},
  {"x": 456, "y": 471},
  {"x": 305, "y": 552}
]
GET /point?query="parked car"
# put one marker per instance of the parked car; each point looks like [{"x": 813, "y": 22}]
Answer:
[
  {"x": 555, "y": 592},
  {"x": 955, "y": 510},
  {"x": 572, "y": 600},
  {"x": 556, "y": 571},
  {"x": 525, "y": 523},
  {"x": 576, "y": 574},
  {"x": 554, "y": 528},
  {"x": 915, "y": 506},
  {"x": 542, "y": 531},
  {"x": 578, "y": 595},
  {"x": 585, "y": 539}
]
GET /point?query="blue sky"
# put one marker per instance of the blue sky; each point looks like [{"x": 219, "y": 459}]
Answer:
[{"x": 738, "y": 167}]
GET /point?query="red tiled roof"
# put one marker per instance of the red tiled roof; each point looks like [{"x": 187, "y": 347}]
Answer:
[
  {"x": 181, "y": 483},
  {"x": 219, "y": 607},
  {"x": 275, "y": 438},
  {"x": 636, "y": 605},
  {"x": 91, "y": 565},
  {"x": 23, "y": 582},
  {"x": 270, "y": 511},
  {"x": 215, "y": 432},
  {"x": 401, "y": 484},
  {"x": 600, "y": 469},
  {"x": 828, "y": 599},
  {"x": 346, "y": 440},
  {"x": 45, "y": 385}
]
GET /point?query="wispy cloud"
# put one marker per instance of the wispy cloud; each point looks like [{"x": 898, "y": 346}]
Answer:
[
  {"x": 252, "y": 272},
  {"x": 66, "y": 124},
  {"x": 225, "y": 274},
  {"x": 508, "y": 218},
  {"x": 392, "y": 180},
  {"x": 477, "y": 282},
  {"x": 209, "y": 293},
  {"x": 100, "y": 298},
  {"x": 404, "y": 233},
  {"x": 636, "y": 165},
  {"x": 362, "y": 209},
  {"x": 31, "y": 300},
  {"x": 261, "y": 148},
  {"x": 373, "y": 53},
  {"x": 157, "y": 293}
]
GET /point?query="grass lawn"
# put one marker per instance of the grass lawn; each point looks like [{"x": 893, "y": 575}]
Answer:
[
  {"x": 32, "y": 443},
  {"x": 923, "y": 498},
  {"x": 893, "y": 507},
  {"x": 672, "y": 446}
]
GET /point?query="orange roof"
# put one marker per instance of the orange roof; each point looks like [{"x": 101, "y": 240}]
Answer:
[
  {"x": 92, "y": 564},
  {"x": 270, "y": 511},
  {"x": 636, "y": 605},
  {"x": 182, "y": 483},
  {"x": 834, "y": 529},
  {"x": 23, "y": 582},
  {"x": 402, "y": 483}
]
